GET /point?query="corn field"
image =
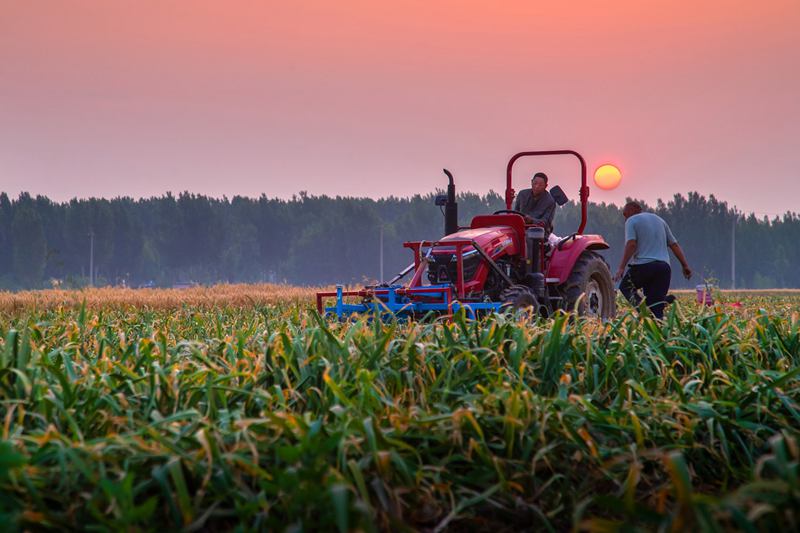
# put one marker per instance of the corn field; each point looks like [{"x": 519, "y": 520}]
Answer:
[{"x": 261, "y": 415}]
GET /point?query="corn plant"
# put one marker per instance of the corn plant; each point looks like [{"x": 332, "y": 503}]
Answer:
[{"x": 265, "y": 416}]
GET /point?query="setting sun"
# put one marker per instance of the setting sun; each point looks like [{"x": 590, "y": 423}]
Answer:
[{"x": 607, "y": 177}]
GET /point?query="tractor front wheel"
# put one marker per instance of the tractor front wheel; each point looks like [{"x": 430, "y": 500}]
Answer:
[
  {"x": 589, "y": 290},
  {"x": 518, "y": 297}
]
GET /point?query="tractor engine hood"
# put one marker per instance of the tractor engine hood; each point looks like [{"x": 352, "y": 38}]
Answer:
[{"x": 494, "y": 240}]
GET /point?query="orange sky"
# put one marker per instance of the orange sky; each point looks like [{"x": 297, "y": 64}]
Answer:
[{"x": 135, "y": 98}]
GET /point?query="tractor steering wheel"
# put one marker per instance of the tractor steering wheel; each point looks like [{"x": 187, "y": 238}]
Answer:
[
  {"x": 501, "y": 211},
  {"x": 523, "y": 215}
]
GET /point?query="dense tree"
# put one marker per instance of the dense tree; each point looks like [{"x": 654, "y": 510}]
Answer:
[
  {"x": 319, "y": 239},
  {"x": 6, "y": 245},
  {"x": 29, "y": 246}
]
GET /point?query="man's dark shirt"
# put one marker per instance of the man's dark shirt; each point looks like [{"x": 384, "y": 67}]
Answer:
[{"x": 541, "y": 209}]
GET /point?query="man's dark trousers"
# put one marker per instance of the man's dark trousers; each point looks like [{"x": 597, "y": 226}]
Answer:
[{"x": 653, "y": 278}]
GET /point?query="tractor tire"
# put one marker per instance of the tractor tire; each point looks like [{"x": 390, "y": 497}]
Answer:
[
  {"x": 590, "y": 287},
  {"x": 518, "y": 297}
]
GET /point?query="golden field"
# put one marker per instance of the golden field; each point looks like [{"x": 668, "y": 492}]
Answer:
[{"x": 243, "y": 295}]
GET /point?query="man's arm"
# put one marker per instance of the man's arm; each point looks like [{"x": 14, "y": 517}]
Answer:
[
  {"x": 547, "y": 216},
  {"x": 678, "y": 251},
  {"x": 630, "y": 249},
  {"x": 544, "y": 211}
]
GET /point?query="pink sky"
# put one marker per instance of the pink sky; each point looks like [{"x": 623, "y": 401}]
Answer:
[{"x": 136, "y": 98}]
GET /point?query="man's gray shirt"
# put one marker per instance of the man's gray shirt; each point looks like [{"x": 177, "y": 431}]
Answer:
[
  {"x": 540, "y": 208},
  {"x": 652, "y": 236}
]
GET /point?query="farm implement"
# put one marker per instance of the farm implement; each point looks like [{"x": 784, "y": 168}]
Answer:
[{"x": 499, "y": 261}]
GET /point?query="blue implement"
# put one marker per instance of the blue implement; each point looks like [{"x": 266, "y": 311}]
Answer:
[{"x": 396, "y": 301}]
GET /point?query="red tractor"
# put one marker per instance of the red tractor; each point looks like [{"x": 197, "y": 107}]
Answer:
[{"x": 499, "y": 261}]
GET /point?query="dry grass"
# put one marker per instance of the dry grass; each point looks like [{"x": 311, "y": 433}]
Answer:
[{"x": 241, "y": 295}]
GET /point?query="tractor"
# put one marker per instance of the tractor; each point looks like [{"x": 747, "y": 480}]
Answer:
[{"x": 498, "y": 262}]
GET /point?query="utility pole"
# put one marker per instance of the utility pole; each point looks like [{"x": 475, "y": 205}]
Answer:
[
  {"x": 733, "y": 249},
  {"x": 91, "y": 258},
  {"x": 381, "y": 254}
]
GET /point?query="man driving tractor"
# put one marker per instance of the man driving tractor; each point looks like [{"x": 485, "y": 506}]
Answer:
[{"x": 536, "y": 203}]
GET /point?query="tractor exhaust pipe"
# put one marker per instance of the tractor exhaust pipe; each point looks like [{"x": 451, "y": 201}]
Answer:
[{"x": 451, "y": 207}]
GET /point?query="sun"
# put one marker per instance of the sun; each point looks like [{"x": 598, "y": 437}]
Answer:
[{"x": 607, "y": 177}]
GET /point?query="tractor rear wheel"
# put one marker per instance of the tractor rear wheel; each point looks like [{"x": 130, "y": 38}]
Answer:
[
  {"x": 518, "y": 297},
  {"x": 590, "y": 287}
]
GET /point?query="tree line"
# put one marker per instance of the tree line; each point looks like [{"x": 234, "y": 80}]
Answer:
[{"x": 309, "y": 240}]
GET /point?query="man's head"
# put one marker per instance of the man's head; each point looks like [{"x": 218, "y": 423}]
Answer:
[
  {"x": 630, "y": 209},
  {"x": 538, "y": 183}
]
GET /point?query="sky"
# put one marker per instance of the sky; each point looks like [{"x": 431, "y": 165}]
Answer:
[{"x": 366, "y": 98}]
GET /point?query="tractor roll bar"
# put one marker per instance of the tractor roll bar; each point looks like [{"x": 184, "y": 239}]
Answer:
[{"x": 584, "y": 192}]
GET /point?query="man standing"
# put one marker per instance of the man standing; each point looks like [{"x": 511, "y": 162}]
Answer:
[
  {"x": 536, "y": 203},
  {"x": 647, "y": 238}
]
